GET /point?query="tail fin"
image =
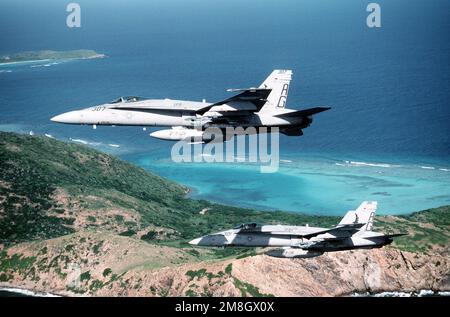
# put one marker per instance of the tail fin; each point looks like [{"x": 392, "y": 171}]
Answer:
[
  {"x": 363, "y": 215},
  {"x": 278, "y": 81}
]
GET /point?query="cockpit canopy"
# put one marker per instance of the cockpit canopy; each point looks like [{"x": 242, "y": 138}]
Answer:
[
  {"x": 128, "y": 99},
  {"x": 248, "y": 226}
]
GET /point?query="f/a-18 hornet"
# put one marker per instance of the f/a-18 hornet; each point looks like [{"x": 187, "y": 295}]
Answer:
[
  {"x": 263, "y": 106},
  {"x": 353, "y": 232}
]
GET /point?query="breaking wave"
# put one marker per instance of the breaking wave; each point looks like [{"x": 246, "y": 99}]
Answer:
[
  {"x": 386, "y": 165},
  {"x": 79, "y": 141},
  {"x": 27, "y": 292},
  {"x": 101, "y": 145},
  {"x": 45, "y": 65},
  {"x": 354, "y": 163},
  {"x": 421, "y": 293},
  {"x": 357, "y": 164}
]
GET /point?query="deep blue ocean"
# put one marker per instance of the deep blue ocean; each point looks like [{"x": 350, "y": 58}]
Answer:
[{"x": 387, "y": 137}]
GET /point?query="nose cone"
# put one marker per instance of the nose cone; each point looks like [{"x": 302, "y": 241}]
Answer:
[
  {"x": 161, "y": 134},
  {"x": 67, "y": 117},
  {"x": 56, "y": 118},
  {"x": 195, "y": 241}
]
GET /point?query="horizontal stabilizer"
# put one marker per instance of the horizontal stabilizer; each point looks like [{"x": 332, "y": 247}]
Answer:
[
  {"x": 303, "y": 113},
  {"x": 292, "y": 131}
]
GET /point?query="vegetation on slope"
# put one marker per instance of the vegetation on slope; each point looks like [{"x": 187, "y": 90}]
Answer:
[
  {"x": 34, "y": 170},
  {"x": 427, "y": 229},
  {"x": 64, "y": 205}
]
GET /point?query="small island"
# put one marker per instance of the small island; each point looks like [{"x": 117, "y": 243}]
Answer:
[{"x": 31, "y": 56}]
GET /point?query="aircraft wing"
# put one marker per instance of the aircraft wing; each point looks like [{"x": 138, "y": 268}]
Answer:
[
  {"x": 255, "y": 96},
  {"x": 303, "y": 113},
  {"x": 341, "y": 231}
]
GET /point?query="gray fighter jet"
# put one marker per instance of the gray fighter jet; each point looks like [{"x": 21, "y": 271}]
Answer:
[
  {"x": 263, "y": 106},
  {"x": 353, "y": 232}
]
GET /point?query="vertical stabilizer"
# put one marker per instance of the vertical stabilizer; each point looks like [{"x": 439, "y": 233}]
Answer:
[
  {"x": 278, "y": 81},
  {"x": 363, "y": 215}
]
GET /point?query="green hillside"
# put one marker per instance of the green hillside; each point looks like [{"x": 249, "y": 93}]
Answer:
[
  {"x": 49, "y": 188},
  {"x": 32, "y": 169}
]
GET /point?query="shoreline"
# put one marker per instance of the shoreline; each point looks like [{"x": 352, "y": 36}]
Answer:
[
  {"x": 420, "y": 293},
  {"x": 51, "y": 59},
  {"x": 7, "y": 287},
  {"x": 33, "y": 292},
  {"x": 28, "y": 61}
]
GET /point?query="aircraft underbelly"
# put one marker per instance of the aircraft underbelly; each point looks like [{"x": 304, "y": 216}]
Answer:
[{"x": 344, "y": 244}]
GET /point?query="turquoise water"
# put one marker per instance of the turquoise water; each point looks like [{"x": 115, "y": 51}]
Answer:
[
  {"x": 312, "y": 184},
  {"x": 388, "y": 89}
]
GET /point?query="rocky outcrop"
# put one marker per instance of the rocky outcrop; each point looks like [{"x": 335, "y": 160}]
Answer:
[
  {"x": 344, "y": 273},
  {"x": 332, "y": 274}
]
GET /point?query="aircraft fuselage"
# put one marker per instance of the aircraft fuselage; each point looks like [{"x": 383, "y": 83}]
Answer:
[
  {"x": 254, "y": 107},
  {"x": 109, "y": 115},
  {"x": 323, "y": 243},
  {"x": 354, "y": 231}
]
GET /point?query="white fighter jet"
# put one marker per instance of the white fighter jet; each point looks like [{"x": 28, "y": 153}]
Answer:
[
  {"x": 353, "y": 232},
  {"x": 263, "y": 106}
]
